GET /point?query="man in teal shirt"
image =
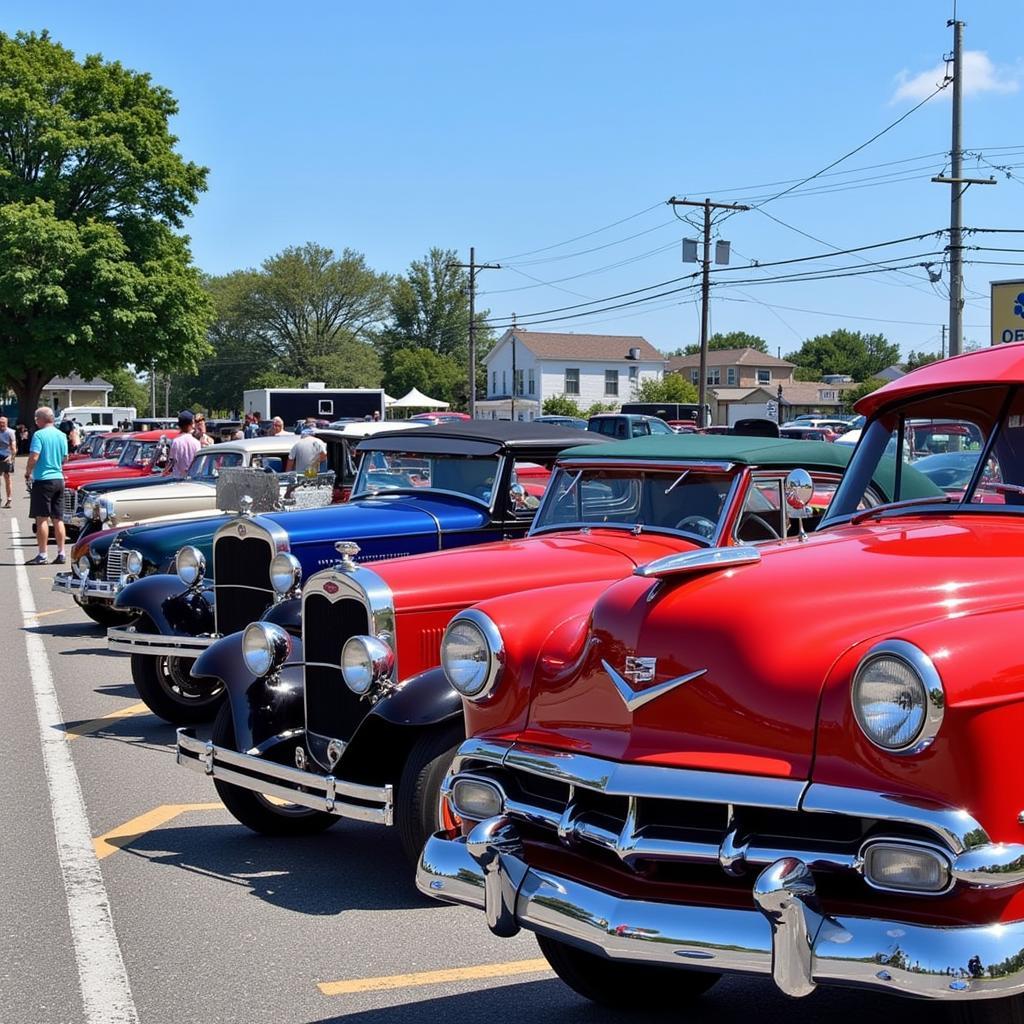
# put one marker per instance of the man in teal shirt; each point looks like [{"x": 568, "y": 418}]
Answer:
[{"x": 45, "y": 470}]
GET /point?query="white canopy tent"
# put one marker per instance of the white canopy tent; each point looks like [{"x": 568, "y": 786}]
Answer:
[
  {"x": 415, "y": 399},
  {"x": 388, "y": 400}
]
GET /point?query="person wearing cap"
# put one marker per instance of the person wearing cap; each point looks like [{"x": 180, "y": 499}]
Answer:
[
  {"x": 184, "y": 447},
  {"x": 308, "y": 453},
  {"x": 204, "y": 439}
]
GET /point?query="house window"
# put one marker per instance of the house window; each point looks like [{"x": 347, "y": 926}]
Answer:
[
  {"x": 494, "y": 382},
  {"x": 714, "y": 375},
  {"x": 730, "y": 376},
  {"x": 533, "y": 381},
  {"x": 764, "y": 376},
  {"x": 518, "y": 383},
  {"x": 504, "y": 382},
  {"x": 572, "y": 381},
  {"x": 693, "y": 376},
  {"x": 611, "y": 382}
]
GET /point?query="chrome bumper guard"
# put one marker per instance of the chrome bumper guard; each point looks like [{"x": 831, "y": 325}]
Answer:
[
  {"x": 784, "y": 934},
  {"x": 85, "y": 588},
  {"x": 318, "y": 792},
  {"x": 127, "y": 640}
]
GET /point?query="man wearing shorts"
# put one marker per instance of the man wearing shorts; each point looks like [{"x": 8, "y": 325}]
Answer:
[
  {"x": 45, "y": 470},
  {"x": 8, "y": 451}
]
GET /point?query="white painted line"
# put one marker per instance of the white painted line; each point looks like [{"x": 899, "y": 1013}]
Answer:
[{"x": 106, "y": 994}]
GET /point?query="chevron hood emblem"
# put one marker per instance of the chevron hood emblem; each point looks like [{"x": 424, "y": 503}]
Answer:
[{"x": 633, "y": 699}]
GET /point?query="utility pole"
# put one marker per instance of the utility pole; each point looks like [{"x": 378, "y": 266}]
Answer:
[
  {"x": 474, "y": 268},
  {"x": 152, "y": 388},
  {"x": 512, "y": 401},
  {"x": 705, "y": 291},
  {"x": 958, "y": 185},
  {"x": 942, "y": 349}
]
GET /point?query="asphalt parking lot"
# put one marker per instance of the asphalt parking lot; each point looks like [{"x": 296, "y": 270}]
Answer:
[{"x": 154, "y": 905}]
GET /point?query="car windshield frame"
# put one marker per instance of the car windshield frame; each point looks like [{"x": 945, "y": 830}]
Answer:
[
  {"x": 669, "y": 472},
  {"x": 208, "y": 456},
  {"x": 360, "y": 491}
]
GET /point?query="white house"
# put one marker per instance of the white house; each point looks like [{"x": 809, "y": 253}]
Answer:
[{"x": 526, "y": 367}]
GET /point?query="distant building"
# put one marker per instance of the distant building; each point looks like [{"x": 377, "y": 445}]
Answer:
[
  {"x": 890, "y": 373},
  {"x": 586, "y": 368},
  {"x": 734, "y": 368},
  {"x": 61, "y": 392}
]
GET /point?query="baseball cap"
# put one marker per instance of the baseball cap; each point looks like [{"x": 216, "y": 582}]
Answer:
[{"x": 186, "y": 416}]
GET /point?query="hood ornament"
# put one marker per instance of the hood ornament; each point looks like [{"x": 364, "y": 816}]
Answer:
[
  {"x": 642, "y": 670},
  {"x": 348, "y": 549}
]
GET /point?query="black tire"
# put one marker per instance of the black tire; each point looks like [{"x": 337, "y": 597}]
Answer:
[
  {"x": 255, "y": 811},
  {"x": 418, "y": 802},
  {"x": 105, "y": 614},
  {"x": 167, "y": 689},
  {"x": 622, "y": 985}
]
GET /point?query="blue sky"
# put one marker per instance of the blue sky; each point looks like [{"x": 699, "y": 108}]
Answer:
[{"x": 391, "y": 128}]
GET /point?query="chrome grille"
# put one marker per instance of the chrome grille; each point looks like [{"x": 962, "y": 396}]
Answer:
[
  {"x": 241, "y": 574},
  {"x": 115, "y": 563},
  {"x": 70, "y": 500}
]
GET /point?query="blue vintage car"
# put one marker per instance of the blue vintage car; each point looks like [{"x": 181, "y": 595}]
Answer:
[{"x": 439, "y": 487}]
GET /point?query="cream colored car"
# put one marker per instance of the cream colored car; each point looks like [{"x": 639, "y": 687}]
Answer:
[{"x": 125, "y": 503}]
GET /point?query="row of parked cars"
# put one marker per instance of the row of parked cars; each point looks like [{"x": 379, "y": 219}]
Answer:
[{"x": 684, "y": 706}]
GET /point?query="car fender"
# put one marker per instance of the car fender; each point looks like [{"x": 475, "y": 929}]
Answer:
[
  {"x": 262, "y": 707},
  {"x": 173, "y": 608},
  {"x": 287, "y": 614}
]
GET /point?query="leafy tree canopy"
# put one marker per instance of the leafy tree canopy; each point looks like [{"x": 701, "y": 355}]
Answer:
[
  {"x": 128, "y": 390},
  {"x": 859, "y": 355},
  {"x": 729, "y": 340},
  {"x": 438, "y": 376},
  {"x": 673, "y": 387},
  {"x": 855, "y": 394},
  {"x": 92, "y": 273},
  {"x": 560, "y": 405},
  {"x": 916, "y": 359}
]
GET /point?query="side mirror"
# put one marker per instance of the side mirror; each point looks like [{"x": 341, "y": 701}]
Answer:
[
  {"x": 799, "y": 489},
  {"x": 517, "y": 496}
]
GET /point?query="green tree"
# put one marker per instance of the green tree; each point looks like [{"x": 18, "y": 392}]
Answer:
[
  {"x": 916, "y": 359},
  {"x": 92, "y": 192},
  {"x": 435, "y": 375},
  {"x": 729, "y": 340},
  {"x": 673, "y": 387},
  {"x": 851, "y": 352},
  {"x": 858, "y": 391},
  {"x": 128, "y": 390},
  {"x": 560, "y": 405}
]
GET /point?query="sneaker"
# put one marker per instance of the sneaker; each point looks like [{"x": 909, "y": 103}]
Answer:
[
  {"x": 60, "y": 560},
  {"x": 38, "y": 560},
  {"x": 7, "y": 503}
]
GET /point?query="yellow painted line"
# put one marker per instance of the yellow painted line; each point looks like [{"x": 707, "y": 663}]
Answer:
[
  {"x": 124, "y": 835},
  {"x": 52, "y": 611},
  {"x": 96, "y": 724},
  {"x": 477, "y": 973}
]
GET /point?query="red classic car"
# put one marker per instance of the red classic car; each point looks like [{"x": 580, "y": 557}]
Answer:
[
  {"x": 796, "y": 761},
  {"x": 389, "y": 737},
  {"x": 138, "y": 456},
  {"x": 96, "y": 447}
]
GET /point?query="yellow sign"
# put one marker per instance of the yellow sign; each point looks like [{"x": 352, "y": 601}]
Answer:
[{"x": 1007, "y": 311}]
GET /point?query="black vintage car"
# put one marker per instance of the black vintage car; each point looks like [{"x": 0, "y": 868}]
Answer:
[{"x": 416, "y": 491}]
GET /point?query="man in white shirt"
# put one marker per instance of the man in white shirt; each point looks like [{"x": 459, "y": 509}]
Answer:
[{"x": 307, "y": 454}]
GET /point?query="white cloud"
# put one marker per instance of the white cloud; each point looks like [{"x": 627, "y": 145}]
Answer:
[{"x": 980, "y": 75}]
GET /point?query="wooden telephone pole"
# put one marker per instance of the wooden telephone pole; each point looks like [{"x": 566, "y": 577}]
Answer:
[{"x": 474, "y": 268}]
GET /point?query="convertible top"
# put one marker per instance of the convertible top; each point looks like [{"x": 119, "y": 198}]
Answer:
[{"x": 482, "y": 437}]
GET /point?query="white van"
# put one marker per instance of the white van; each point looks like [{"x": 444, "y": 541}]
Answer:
[{"x": 93, "y": 417}]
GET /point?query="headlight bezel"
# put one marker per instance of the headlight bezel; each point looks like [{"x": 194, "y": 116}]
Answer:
[
  {"x": 933, "y": 694},
  {"x": 293, "y": 573},
  {"x": 82, "y": 572},
  {"x": 493, "y": 645},
  {"x": 133, "y": 556},
  {"x": 89, "y": 508},
  {"x": 191, "y": 576},
  {"x": 270, "y": 641},
  {"x": 379, "y": 665},
  {"x": 105, "y": 509}
]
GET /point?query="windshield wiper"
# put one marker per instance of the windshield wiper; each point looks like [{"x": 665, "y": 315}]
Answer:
[
  {"x": 678, "y": 480},
  {"x": 572, "y": 483},
  {"x": 868, "y": 513}
]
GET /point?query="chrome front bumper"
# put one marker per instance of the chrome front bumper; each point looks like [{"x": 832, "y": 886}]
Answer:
[
  {"x": 784, "y": 934},
  {"x": 86, "y": 589},
  {"x": 127, "y": 640},
  {"x": 319, "y": 792}
]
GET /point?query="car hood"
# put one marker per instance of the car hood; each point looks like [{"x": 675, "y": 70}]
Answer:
[
  {"x": 104, "y": 485},
  {"x": 460, "y": 577},
  {"x": 77, "y": 477},
  {"x": 169, "y": 490},
  {"x": 751, "y": 647}
]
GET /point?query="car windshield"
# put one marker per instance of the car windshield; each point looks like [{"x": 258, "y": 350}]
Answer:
[
  {"x": 208, "y": 465},
  {"x": 965, "y": 448},
  {"x": 137, "y": 453},
  {"x": 113, "y": 446},
  {"x": 471, "y": 476},
  {"x": 677, "y": 501}
]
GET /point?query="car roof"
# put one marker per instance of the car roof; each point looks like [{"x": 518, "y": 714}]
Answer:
[
  {"x": 741, "y": 450},
  {"x": 278, "y": 442},
  {"x": 482, "y": 437},
  {"x": 997, "y": 364}
]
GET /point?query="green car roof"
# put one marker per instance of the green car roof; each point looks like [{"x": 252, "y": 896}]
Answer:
[{"x": 765, "y": 452}]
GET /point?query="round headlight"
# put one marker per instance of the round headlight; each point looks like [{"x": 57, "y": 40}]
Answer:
[
  {"x": 89, "y": 508},
  {"x": 285, "y": 572},
  {"x": 133, "y": 563},
  {"x": 365, "y": 662},
  {"x": 105, "y": 509},
  {"x": 898, "y": 697},
  {"x": 82, "y": 566},
  {"x": 265, "y": 647},
  {"x": 190, "y": 565},
  {"x": 472, "y": 654}
]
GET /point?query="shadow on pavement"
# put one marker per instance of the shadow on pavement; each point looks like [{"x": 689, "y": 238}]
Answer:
[
  {"x": 136, "y": 730},
  {"x": 68, "y": 629},
  {"x": 117, "y": 690},
  {"x": 350, "y": 867},
  {"x": 549, "y": 1001}
]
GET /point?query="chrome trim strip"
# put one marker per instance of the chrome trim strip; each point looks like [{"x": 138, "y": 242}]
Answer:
[
  {"x": 319, "y": 792},
  {"x": 667, "y": 465},
  {"x": 931, "y": 962},
  {"x": 702, "y": 560},
  {"x": 125, "y": 640},
  {"x": 992, "y": 866}
]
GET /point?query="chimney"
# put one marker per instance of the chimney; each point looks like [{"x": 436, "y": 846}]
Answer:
[{"x": 634, "y": 354}]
